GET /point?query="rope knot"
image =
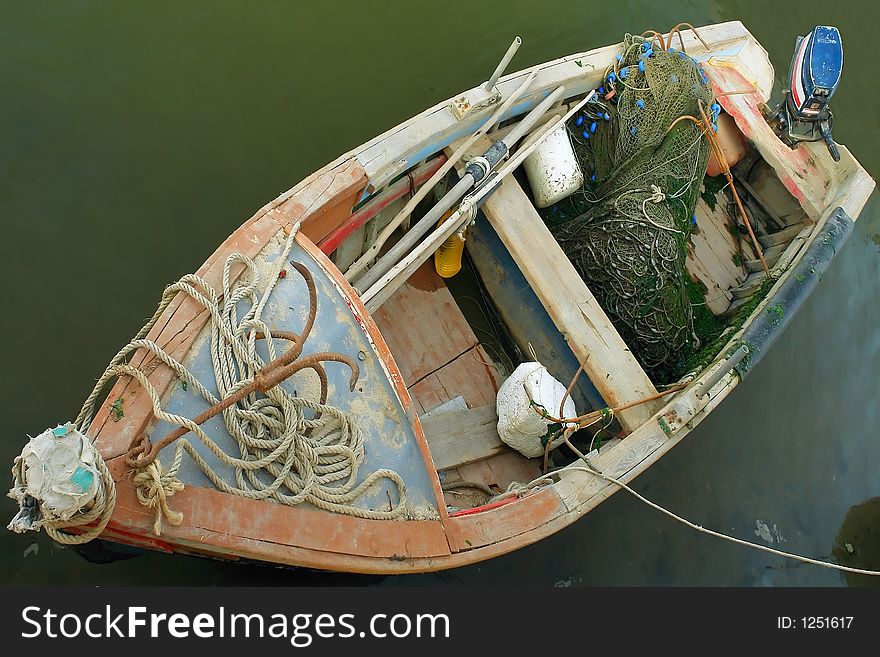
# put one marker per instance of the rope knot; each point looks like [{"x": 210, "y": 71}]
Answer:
[
  {"x": 657, "y": 195},
  {"x": 154, "y": 487}
]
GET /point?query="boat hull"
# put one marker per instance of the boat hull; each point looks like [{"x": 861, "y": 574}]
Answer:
[{"x": 229, "y": 527}]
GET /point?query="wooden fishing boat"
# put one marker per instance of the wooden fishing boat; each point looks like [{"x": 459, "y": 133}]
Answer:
[{"x": 416, "y": 360}]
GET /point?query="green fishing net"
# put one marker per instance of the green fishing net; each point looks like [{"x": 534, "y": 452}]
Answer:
[{"x": 626, "y": 230}]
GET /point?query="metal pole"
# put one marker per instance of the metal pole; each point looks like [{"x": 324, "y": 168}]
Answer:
[
  {"x": 370, "y": 253},
  {"x": 490, "y": 83},
  {"x": 414, "y": 234},
  {"x": 495, "y": 154},
  {"x": 731, "y": 362}
]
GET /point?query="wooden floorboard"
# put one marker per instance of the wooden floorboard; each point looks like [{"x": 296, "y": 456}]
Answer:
[
  {"x": 423, "y": 326},
  {"x": 435, "y": 348},
  {"x": 460, "y": 437},
  {"x": 472, "y": 375},
  {"x": 711, "y": 252}
]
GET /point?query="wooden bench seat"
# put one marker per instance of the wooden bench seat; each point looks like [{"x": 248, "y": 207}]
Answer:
[{"x": 577, "y": 315}]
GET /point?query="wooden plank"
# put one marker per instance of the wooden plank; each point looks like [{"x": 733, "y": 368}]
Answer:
[
  {"x": 473, "y": 369},
  {"x": 497, "y": 471},
  {"x": 460, "y": 437},
  {"x": 211, "y": 512},
  {"x": 434, "y": 129},
  {"x": 473, "y": 531},
  {"x": 577, "y": 315},
  {"x": 326, "y": 205},
  {"x": 781, "y": 237},
  {"x": 523, "y": 314},
  {"x": 771, "y": 255},
  {"x": 350, "y": 250},
  {"x": 423, "y": 326},
  {"x": 429, "y": 394},
  {"x": 763, "y": 183},
  {"x": 765, "y": 207},
  {"x": 750, "y": 285}
]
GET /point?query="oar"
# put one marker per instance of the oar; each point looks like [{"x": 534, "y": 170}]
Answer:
[
  {"x": 476, "y": 171},
  {"x": 370, "y": 254},
  {"x": 386, "y": 285}
]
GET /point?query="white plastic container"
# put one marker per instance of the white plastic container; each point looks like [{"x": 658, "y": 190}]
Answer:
[
  {"x": 553, "y": 170},
  {"x": 519, "y": 425}
]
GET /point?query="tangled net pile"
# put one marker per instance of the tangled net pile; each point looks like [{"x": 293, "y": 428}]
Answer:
[
  {"x": 291, "y": 449},
  {"x": 643, "y": 153}
]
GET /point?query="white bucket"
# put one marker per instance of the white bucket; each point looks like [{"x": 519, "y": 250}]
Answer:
[{"x": 553, "y": 170}]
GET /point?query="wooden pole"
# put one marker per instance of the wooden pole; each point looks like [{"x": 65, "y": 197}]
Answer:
[{"x": 725, "y": 167}]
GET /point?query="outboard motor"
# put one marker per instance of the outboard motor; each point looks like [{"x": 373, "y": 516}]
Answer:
[{"x": 803, "y": 114}]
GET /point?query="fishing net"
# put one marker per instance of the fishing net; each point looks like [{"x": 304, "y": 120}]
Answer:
[{"x": 643, "y": 162}]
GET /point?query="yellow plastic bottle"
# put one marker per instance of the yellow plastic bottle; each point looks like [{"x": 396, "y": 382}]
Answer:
[{"x": 447, "y": 259}]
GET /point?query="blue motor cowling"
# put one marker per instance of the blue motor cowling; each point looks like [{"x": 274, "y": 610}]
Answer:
[
  {"x": 815, "y": 71},
  {"x": 803, "y": 114}
]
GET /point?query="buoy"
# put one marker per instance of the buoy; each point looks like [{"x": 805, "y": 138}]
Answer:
[
  {"x": 553, "y": 170},
  {"x": 447, "y": 259},
  {"x": 731, "y": 141},
  {"x": 59, "y": 478}
]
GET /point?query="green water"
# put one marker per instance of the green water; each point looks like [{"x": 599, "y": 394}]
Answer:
[{"x": 134, "y": 137}]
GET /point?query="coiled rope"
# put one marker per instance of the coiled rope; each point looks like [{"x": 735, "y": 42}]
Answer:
[{"x": 291, "y": 449}]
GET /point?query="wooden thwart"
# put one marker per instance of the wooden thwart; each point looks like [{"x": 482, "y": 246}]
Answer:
[{"x": 577, "y": 315}]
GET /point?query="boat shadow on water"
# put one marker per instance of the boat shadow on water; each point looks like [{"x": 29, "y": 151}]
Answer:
[{"x": 858, "y": 542}]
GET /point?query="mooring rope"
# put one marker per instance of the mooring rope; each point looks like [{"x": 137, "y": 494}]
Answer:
[
  {"x": 711, "y": 532},
  {"x": 573, "y": 424},
  {"x": 284, "y": 455}
]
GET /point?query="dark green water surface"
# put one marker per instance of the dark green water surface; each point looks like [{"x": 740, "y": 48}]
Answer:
[{"x": 135, "y": 136}]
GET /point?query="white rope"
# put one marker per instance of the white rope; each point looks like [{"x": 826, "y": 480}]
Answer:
[
  {"x": 314, "y": 459},
  {"x": 520, "y": 489},
  {"x": 756, "y": 546}
]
